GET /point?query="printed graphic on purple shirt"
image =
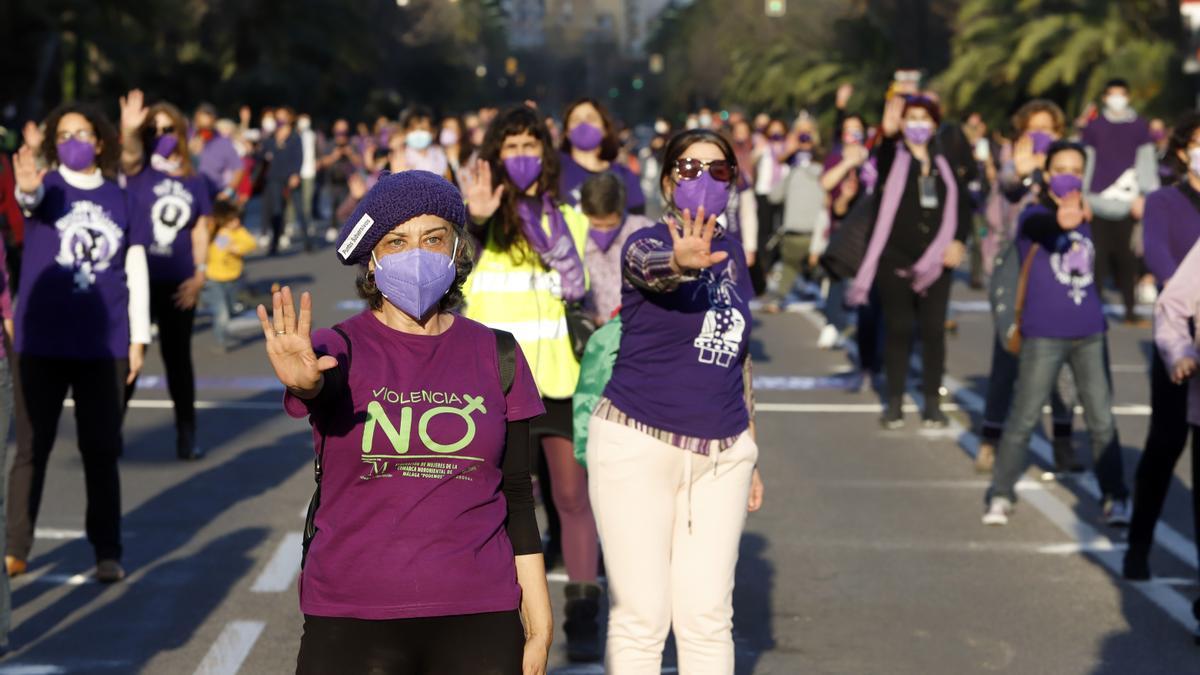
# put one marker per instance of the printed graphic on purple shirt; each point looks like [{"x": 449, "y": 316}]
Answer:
[
  {"x": 171, "y": 206},
  {"x": 413, "y": 449},
  {"x": 74, "y": 266},
  {"x": 1061, "y": 300}
]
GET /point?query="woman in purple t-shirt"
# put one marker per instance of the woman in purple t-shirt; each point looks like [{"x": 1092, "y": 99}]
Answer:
[
  {"x": 84, "y": 259},
  {"x": 589, "y": 147},
  {"x": 1061, "y": 323},
  {"x": 671, "y": 450},
  {"x": 422, "y": 532},
  {"x": 167, "y": 194}
]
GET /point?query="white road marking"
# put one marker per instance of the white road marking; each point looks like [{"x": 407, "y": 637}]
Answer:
[
  {"x": 1131, "y": 410},
  {"x": 157, "y": 404},
  {"x": 283, "y": 567},
  {"x": 233, "y": 645},
  {"x": 595, "y": 669},
  {"x": 17, "y": 669},
  {"x": 57, "y": 534}
]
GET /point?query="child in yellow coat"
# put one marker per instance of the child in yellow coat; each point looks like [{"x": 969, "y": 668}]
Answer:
[{"x": 231, "y": 242}]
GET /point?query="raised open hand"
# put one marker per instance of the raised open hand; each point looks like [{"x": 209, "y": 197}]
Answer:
[
  {"x": 32, "y": 134},
  {"x": 693, "y": 248},
  {"x": 26, "y": 172},
  {"x": 482, "y": 199},
  {"x": 133, "y": 111},
  {"x": 289, "y": 344}
]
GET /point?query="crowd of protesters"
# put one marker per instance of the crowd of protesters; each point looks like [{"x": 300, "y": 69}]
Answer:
[{"x": 490, "y": 247}]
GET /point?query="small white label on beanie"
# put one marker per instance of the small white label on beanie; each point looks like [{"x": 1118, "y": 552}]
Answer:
[{"x": 356, "y": 235}]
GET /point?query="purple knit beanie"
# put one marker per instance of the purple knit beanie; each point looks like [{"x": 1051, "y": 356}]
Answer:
[{"x": 395, "y": 199}]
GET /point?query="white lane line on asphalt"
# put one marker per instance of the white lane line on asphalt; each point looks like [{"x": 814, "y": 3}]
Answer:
[
  {"x": 1164, "y": 534},
  {"x": 980, "y": 484},
  {"x": 233, "y": 645},
  {"x": 1132, "y": 410},
  {"x": 18, "y": 669},
  {"x": 56, "y": 534},
  {"x": 561, "y": 577},
  {"x": 1073, "y": 547},
  {"x": 283, "y": 567},
  {"x": 595, "y": 669}
]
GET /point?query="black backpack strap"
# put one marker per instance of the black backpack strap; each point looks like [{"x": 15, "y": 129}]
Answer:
[
  {"x": 310, "y": 520},
  {"x": 506, "y": 355}
]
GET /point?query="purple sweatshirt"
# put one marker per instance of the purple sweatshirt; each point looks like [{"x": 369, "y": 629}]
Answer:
[
  {"x": 1116, "y": 145},
  {"x": 1179, "y": 302},
  {"x": 1170, "y": 227},
  {"x": 1061, "y": 300}
]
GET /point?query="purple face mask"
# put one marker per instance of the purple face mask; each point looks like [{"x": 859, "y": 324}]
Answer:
[
  {"x": 805, "y": 137},
  {"x": 415, "y": 281},
  {"x": 523, "y": 170},
  {"x": 605, "y": 238},
  {"x": 1064, "y": 184},
  {"x": 164, "y": 145},
  {"x": 1041, "y": 142},
  {"x": 586, "y": 136},
  {"x": 704, "y": 191},
  {"x": 918, "y": 133},
  {"x": 75, "y": 154}
]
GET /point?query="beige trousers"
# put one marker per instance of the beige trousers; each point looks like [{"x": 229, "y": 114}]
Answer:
[{"x": 661, "y": 572}]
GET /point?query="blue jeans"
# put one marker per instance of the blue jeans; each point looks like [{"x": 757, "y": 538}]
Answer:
[
  {"x": 835, "y": 305},
  {"x": 219, "y": 295},
  {"x": 1040, "y": 361},
  {"x": 1000, "y": 389}
]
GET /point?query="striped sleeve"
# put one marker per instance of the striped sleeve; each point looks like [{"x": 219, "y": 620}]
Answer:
[{"x": 647, "y": 265}]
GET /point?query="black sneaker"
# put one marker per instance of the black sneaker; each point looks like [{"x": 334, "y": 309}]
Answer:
[
  {"x": 1064, "y": 456},
  {"x": 934, "y": 418},
  {"x": 581, "y": 627},
  {"x": 185, "y": 447},
  {"x": 893, "y": 416}
]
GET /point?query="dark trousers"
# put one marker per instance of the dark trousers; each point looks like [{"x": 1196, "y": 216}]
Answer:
[
  {"x": 905, "y": 313},
  {"x": 869, "y": 333},
  {"x": 98, "y": 387},
  {"x": 274, "y": 203},
  {"x": 1115, "y": 258},
  {"x": 337, "y": 195},
  {"x": 770, "y": 217},
  {"x": 468, "y": 644},
  {"x": 1164, "y": 445},
  {"x": 175, "y": 340}
]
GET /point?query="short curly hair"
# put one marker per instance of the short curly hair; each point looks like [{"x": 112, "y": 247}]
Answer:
[
  {"x": 464, "y": 262},
  {"x": 109, "y": 153},
  {"x": 1020, "y": 119}
]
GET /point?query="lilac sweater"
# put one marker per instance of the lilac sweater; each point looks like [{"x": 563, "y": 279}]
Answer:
[{"x": 1180, "y": 301}]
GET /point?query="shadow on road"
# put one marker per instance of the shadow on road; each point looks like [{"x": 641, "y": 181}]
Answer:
[{"x": 753, "y": 620}]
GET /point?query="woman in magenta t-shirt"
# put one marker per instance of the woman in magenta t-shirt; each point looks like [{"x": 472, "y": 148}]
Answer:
[{"x": 423, "y": 533}]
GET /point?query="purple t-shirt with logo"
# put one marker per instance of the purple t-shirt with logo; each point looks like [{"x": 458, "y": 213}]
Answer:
[
  {"x": 679, "y": 367},
  {"x": 411, "y": 520},
  {"x": 74, "y": 298},
  {"x": 168, "y": 207},
  {"x": 573, "y": 176},
  {"x": 1061, "y": 300}
]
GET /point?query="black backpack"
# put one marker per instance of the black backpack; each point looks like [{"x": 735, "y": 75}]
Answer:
[{"x": 506, "y": 354}]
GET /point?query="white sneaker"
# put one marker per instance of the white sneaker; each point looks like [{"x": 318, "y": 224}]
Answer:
[
  {"x": 1117, "y": 513},
  {"x": 331, "y": 236},
  {"x": 828, "y": 337},
  {"x": 997, "y": 511},
  {"x": 285, "y": 242}
]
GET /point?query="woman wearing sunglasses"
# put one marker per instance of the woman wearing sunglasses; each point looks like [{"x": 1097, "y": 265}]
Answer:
[
  {"x": 529, "y": 274},
  {"x": 589, "y": 148},
  {"x": 671, "y": 446},
  {"x": 919, "y": 232},
  {"x": 82, "y": 320},
  {"x": 166, "y": 193}
]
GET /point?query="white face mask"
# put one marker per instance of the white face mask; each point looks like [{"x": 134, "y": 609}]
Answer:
[
  {"x": 1194, "y": 161},
  {"x": 1117, "y": 103},
  {"x": 303, "y": 124},
  {"x": 268, "y": 125}
]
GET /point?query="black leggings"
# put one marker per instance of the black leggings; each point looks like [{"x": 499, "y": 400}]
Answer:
[
  {"x": 468, "y": 644},
  {"x": 905, "y": 313},
  {"x": 1115, "y": 257},
  {"x": 1164, "y": 445},
  {"x": 98, "y": 387},
  {"x": 175, "y": 339}
]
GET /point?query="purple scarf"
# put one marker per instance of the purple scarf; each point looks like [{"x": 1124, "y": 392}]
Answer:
[
  {"x": 929, "y": 267},
  {"x": 556, "y": 248}
]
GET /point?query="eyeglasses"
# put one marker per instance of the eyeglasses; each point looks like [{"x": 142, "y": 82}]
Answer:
[
  {"x": 78, "y": 134},
  {"x": 687, "y": 168},
  {"x": 163, "y": 131}
]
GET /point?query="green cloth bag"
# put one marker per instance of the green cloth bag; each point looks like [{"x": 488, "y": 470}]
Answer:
[{"x": 595, "y": 369}]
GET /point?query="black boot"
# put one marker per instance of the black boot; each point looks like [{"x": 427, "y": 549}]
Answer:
[
  {"x": 583, "y": 633},
  {"x": 1064, "y": 456},
  {"x": 933, "y": 417},
  {"x": 893, "y": 414},
  {"x": 185, "y": 445}
]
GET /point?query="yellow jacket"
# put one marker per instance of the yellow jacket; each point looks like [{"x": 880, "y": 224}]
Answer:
[
  {"x": 525, "y": 300},
  {"x": 226, "y": 251}
]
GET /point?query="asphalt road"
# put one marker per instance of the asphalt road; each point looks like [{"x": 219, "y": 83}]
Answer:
[{"x": 867, "y": 558}]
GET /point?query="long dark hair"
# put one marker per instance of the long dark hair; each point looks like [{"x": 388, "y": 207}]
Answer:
[
  {"x": 610, "y": 145},
  {"x": 506, "y": 224},
  {"x": 1181, "y": 137},
  {"x": 109, "y": 151}
]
